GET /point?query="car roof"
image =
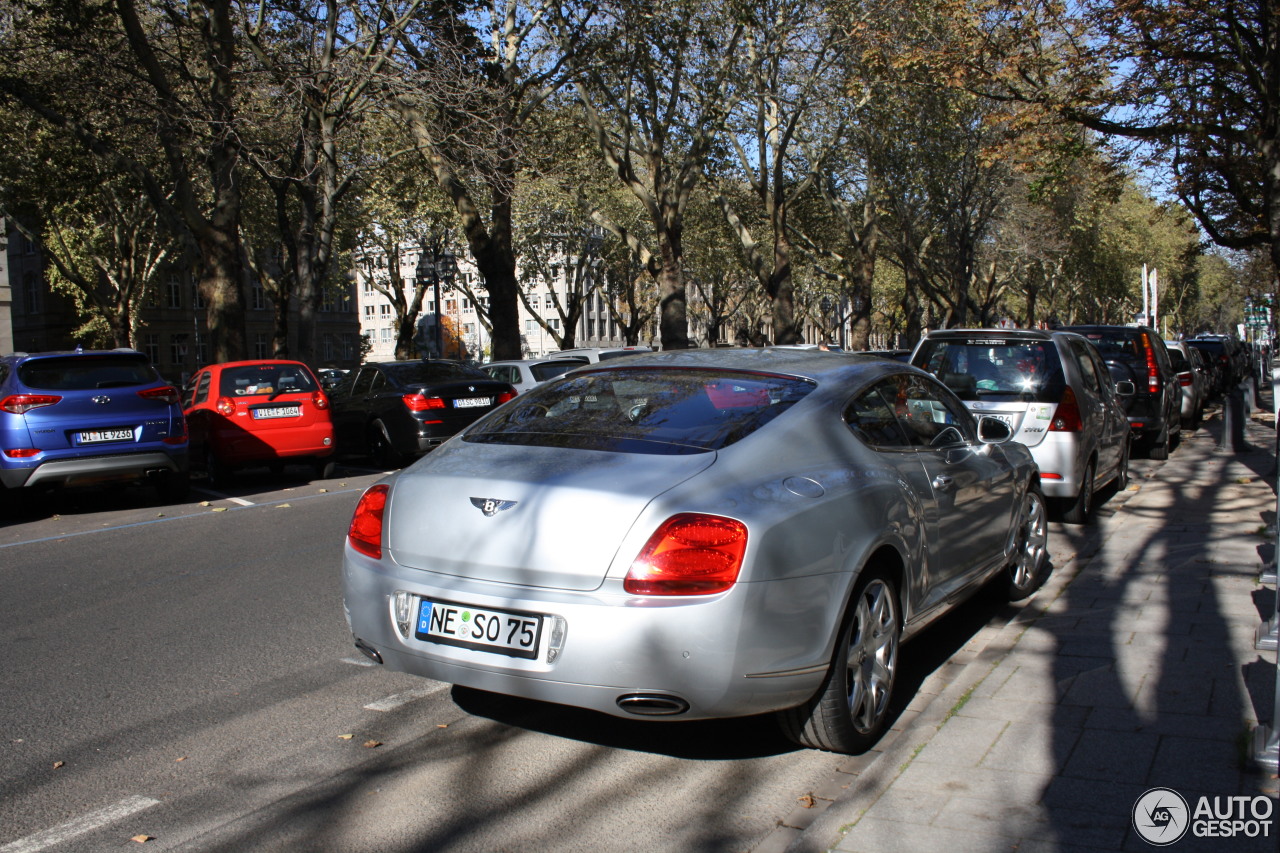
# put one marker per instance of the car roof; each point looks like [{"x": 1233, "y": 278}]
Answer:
[
  {"x": 1029, "y": 334},
  {"x": 818, "y": 365},
  {"x": 532, "y": 361}
]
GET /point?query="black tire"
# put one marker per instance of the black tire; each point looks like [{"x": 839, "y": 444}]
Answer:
[
  {"x": 381, "y": 450},
  {"x": 1029, "y": 567},
  {"x": 276, "y": 468},
  {"x": 325, "y": 469},
  {"x": 1079, "y": 510},
  {"x": 1121, "y": 482},
  {"x": 1159, "y": 448},
  {"x": 849, "y": 712},
  {"x": 173, "y": 487}
]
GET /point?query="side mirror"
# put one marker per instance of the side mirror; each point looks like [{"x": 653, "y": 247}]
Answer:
[
  {"x": 1125, "y": 388},
  {"x": 993, "y": 430}
]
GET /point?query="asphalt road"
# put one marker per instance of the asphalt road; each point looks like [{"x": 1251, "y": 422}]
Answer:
[{"x": 183, "y": 674}]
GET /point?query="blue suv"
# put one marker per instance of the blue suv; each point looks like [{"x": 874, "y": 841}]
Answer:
[{"x": 90, "y": 416}]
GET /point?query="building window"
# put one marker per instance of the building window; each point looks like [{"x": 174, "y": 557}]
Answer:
[
  {"x": 31, "y": 290},
  {"x": 466, "y": 304},
  {"x": 261, "y": 346},
  {"x": 369, "y": 311},
  {"x": 384, "y": 311},
  {"x": 591, "y": 327},
  {"x": 178, "y": 349},
  {"x": 202, "y": 351},
  {"x": 328, "y": 347},
  {"x": 174, "y": 286},
  {"x": 197, "y": 298},
  {"x": 348, "y": 346},
  {"x": 259, "y": 295},
  {"x": 431, "y": 307},
  {"x": 385, "y": 336},
  {"x": 151, "y": 346},
  {"x": 530, "y": 326}
]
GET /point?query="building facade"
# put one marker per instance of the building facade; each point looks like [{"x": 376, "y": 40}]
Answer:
[
  {"x": 173, "y": 330},
  {"x": 464, "y": 302}
]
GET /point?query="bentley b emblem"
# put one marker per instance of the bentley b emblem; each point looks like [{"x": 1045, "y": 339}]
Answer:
[{"x": 491, "y": 506}]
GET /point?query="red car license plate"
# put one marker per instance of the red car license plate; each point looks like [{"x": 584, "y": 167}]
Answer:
[{"x": 277, "y": 412}]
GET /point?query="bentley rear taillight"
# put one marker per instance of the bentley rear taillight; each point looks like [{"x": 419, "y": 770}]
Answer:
[
  {"x": 690, "y": 554},
  {"x": 365, "y": 533}
]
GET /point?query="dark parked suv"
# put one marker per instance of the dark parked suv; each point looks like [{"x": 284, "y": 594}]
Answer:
[
  {"x": 84, "y": 417},
  {"x": 397, "y": 410},
  {"x": 1138, "y": 354}
]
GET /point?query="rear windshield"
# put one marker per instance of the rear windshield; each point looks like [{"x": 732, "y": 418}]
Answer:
[
  {"x": 643, "y": 410},
  {"x": 995, "y": 368},
  {"x": 427, "y": 372},
  {"x": 87, "y": 372},
  {"x": 1116, "y": 344},
  {"x": 253, "y": 380},
  {"x": 552, "y": 369}
]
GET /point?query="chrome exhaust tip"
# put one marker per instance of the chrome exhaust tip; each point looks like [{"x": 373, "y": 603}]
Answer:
[
  {"x": 652, "y": 704},
  {"x": 368, "y": 651}
]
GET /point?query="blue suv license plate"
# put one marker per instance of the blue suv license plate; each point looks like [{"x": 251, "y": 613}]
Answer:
[{"x": 100, "y": 436}]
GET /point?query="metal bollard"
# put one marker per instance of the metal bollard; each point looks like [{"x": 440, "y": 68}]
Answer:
[{"x": 1233, "y": 418}]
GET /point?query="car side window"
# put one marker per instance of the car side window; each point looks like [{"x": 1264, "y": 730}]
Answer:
[
  {"x": 378, "y": 384},
  {"x": 363, "y": 381},
  {"x": 1088, "y": 370},
  {"x": 929, "y": 414},
  {"x": 202, "y": 384},
  {"x": 871, "y": 417}
]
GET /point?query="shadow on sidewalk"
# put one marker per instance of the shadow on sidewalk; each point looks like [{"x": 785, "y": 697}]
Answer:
[{"x": 1153, "y": 685}]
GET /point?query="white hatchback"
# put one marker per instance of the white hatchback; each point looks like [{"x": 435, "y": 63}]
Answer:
[{"x": 1054, "y": 391}]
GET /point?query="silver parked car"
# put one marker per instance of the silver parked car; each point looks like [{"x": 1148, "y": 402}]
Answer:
[
  {"x": 697, "y": 534},
  {"x": 1195, "y": 377},
  {"x": 523, "y": 374},
  {"x": 1054, "y": 391}
]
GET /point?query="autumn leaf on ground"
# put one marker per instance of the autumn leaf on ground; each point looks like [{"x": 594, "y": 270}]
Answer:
[
  {"x": 284, "y": 506},
  {"x": 442, "y": 725},
  {"x": 345, "y": 737},
  {"x": 58, "y": 764},
  {"x": 808, "y": 801},
  {"x": 143, "y": 839},
  {"x": 181, "y": 758},
  {"x": 219, "y": 509},
  {"x": 372, "y": 744}
]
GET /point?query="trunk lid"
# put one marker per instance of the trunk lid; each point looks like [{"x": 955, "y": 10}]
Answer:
[{"x": 533, "y": 516}]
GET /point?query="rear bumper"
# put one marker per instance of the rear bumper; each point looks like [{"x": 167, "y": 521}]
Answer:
[
  {"x": 240, "y": 446},
  {"x": 89, "y": 470}
]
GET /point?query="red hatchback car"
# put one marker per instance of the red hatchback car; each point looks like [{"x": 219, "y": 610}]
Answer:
[{"x": 267, "y": 412}]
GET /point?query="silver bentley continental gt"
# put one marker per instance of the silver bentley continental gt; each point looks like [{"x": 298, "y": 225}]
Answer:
[{"x": 697, "y": 534}]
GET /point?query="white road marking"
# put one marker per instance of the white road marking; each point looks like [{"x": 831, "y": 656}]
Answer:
[
  {"x": 393, "y": 702},
  {"x": 79, "y": 826}
]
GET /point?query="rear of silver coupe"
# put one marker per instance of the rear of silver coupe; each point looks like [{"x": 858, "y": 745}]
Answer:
[{"x": 682, "y": 535}]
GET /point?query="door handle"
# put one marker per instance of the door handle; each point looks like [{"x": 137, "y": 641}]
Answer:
[{"x": 943, "y": 482}]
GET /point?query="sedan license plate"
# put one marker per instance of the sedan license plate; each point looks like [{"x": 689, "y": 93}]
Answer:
[
  {"x": 277, "y": 412},
  {"x": 502, "y": 631},
  {"x": 98, "y": 436},
  {"x": 472, "y": 402}
]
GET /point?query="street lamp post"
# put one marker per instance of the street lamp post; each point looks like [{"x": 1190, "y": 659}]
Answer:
[
  {"x": 441, "y": 265},
  {"x": 445, "y": 268}
]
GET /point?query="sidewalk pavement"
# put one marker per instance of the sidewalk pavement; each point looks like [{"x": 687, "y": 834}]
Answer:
[{"x": 1133, "y": 668}]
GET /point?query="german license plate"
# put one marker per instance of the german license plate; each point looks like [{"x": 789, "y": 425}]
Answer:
[
  {"x": 472, "y": 402},
  {"x": 98, "y": 436},
  {"x": 277, "y": 412},
  {"x": 503, "y": 631}
]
